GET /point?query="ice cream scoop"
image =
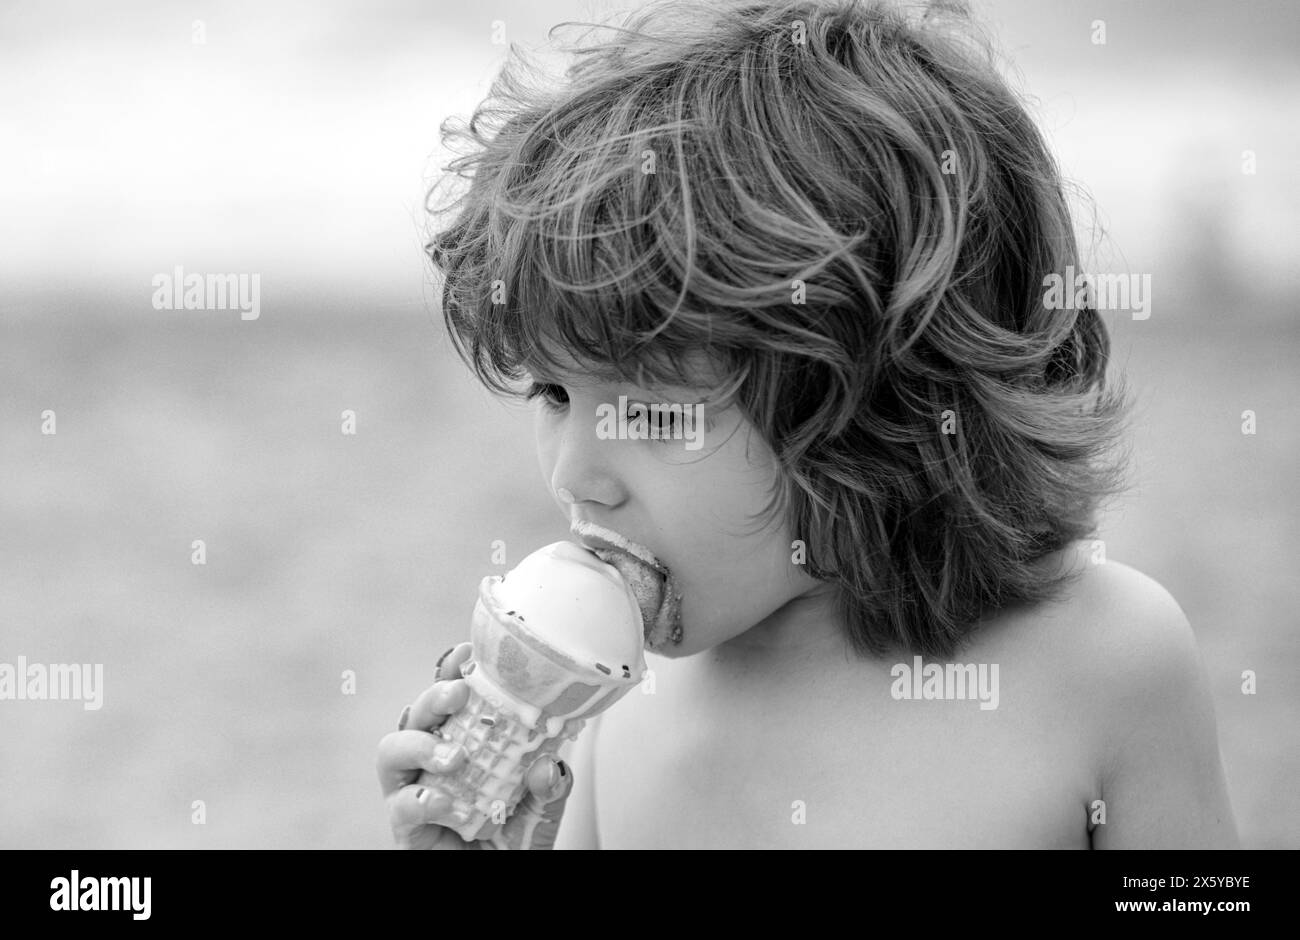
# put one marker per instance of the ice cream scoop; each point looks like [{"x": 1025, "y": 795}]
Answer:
[
  {"x": 556, "y": 640},
  {"x": 577, "y": 602}
]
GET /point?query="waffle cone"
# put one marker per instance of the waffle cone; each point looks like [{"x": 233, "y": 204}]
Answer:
[{"x": 525, "y": 699}]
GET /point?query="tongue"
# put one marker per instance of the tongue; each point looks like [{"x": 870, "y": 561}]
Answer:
[{"x": 646, "y": 584}]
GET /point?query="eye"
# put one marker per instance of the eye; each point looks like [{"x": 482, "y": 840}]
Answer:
[
  {"x": 663, "y": 424},
  {"x": 553, "y": 397}
]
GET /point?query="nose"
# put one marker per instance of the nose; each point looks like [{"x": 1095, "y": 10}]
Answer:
[{"x": 578, "y": 466}]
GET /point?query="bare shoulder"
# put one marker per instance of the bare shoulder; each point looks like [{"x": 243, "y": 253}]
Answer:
[
  {"x": 1124, "y": 633},
  {"x": 1113, "y": 632},
  {"x": 1135, "y": 680}
]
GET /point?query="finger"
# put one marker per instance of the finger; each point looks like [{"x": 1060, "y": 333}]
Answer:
[
  {"x": 435, "y": 703},
  {"x": 544, "y": 775},
  {"x": 535, "y": 823},
  {"x": 403, "y": 755},
  {"x": 417, "y": 815},
  {"x": 450, "y": 662}
]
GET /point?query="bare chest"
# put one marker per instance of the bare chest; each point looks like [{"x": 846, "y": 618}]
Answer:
[{"x": 712, "y": 756}]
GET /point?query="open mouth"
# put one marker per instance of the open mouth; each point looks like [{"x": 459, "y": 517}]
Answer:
[{"x": 650, "y": 580}]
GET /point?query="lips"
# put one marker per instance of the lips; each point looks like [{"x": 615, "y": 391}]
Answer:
[{"x": 650, "y": 580}]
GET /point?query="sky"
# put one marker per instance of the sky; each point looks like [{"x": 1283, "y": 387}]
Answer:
[{"x": 299, "y": 139}]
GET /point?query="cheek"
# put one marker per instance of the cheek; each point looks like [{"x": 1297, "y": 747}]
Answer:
[
  {"x": 545, "y": 443},
  {"x": 740, "y": 577},
  {"x": 719, "y": 509}
]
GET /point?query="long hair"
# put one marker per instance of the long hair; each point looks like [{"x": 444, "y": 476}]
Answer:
[{"x": 848, "y": 209}]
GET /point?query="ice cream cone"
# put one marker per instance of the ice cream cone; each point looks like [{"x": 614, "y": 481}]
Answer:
[{"x": 558, "y": 645}]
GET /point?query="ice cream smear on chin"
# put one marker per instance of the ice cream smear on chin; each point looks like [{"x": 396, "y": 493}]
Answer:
[{"x": 650, "y": 581}]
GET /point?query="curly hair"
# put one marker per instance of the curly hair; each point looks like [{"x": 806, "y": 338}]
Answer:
[{"x": 845, "y": 206}]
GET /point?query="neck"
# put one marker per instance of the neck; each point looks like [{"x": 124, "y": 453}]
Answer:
[{"x": 807, "y": 624}]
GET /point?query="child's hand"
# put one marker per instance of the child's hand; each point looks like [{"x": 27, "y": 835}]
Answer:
[{"x": 420, "y": 814}]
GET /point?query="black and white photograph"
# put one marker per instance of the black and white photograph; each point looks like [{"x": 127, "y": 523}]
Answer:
[{"x": 672, "y": 424}]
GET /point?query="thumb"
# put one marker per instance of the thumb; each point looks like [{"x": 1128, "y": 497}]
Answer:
[{"x": 535, "y": 823}]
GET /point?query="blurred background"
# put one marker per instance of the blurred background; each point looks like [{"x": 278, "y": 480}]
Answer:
[{"x": 297, "y": 142}]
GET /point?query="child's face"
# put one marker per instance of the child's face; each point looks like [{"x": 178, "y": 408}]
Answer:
[{"x": 694, "y": 509}]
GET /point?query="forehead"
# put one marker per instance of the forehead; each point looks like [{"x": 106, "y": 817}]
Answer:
[{"x": 559, "y": 366}]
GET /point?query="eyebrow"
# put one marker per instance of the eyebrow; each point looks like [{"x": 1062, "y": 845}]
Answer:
[{"x": 608, "y": 375}]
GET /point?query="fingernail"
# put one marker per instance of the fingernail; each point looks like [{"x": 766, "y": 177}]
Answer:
[
  {"x": 444, "y": 656},
  {"x": 401, "y": 722},
  {"x": 419, "y": 797},
  {"x": 552, "y": 776}
]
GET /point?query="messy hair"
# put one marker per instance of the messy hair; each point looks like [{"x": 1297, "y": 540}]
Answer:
[{"x": 843, "y": 204}]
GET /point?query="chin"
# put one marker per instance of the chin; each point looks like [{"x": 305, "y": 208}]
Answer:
[
  {"x": 680, "y": 651},
  {"x": 668, "y": 649}
]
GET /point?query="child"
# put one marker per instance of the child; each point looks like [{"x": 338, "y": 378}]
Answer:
[{"x": 824, "y": 228}]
